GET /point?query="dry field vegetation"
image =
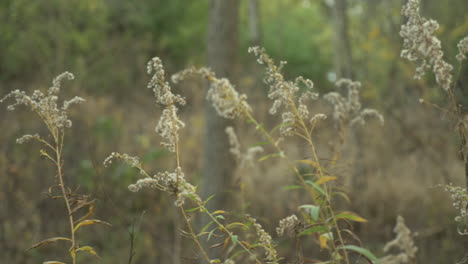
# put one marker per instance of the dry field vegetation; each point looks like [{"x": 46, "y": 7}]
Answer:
[{"x": 320, "y": 178}]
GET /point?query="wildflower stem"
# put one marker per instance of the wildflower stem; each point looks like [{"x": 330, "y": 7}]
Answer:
[
  {"x": 194, "y": 236},
  {"x": 229, "y": 233},
  {"x": 58, "y": 151}
]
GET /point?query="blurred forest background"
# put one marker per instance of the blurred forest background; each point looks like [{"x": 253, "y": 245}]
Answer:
[{"x": 388, "y": 171}]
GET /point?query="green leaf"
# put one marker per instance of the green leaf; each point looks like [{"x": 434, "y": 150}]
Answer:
[
  {"x": 292, "y": 187},
  {"x": 343, "y": 195},
  {"x": 316, "y": 187},
  {"x": 279, "y": 154},
  {"x": 211, "y": 233},
  {"x": 313, "y": 230},
  {"x": 234, "y": 239},
  {"x": 364, "y": 252},
  {"x": 220, "y": 217},
  {"x": 208, "y": 199},
  {"x": 350, "y": 216},
  {"x": 206, "y": 227},
  {"x": 192, "y": 209},
  {"x": 314, "y": 210}
]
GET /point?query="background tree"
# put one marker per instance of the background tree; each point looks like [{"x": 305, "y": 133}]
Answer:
[{"x": 222, "y": 48}]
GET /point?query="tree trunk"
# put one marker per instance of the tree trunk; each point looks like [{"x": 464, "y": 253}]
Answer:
[
  {"x": 343, "y": 58},
  {"x": 255, "y": 28},
  {"x": 219, "y": 164}
]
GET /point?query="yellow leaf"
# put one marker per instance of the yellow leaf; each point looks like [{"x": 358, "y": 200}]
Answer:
[
  {"x": 90, "y": 222},
  {"x": 53, "y": 262},
  {"x": 325, "y": 179},
  {"x": 88, "y": 249},
  {"x": 48, "y": 241},
  {"x": 226, "y": 242},
  {"x": 246, "y": 244},
  {"x": 311, "y": 163},
  {"x": 323, "y": 241},
  {"x": 219, "y": 212},
  {"x": 236, "y": 224}
]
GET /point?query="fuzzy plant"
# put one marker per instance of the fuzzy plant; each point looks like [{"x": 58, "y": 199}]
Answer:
[
  {"x": 55, "y": 117},
  {"x": 422, "y": 47}
]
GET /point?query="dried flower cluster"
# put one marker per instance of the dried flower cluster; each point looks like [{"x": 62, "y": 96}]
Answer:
[
  {"x": 459, "y": 197},
  {"x": 265, "y": 241},
  {"x": 46, "y": 105},
  {"x": 349, "y": 109},
  {"x": 404, "y": 242},
  {"x": 288, "y": 225},
  {"x": 171, "y": 182},
  {"x": 462, "y": 49},
  {"x": 132, "y": 161},
  {"x": 169, "y": 124},
  {"x": 222, "y": 94},
  {"x": 422, "y": 46},
  {"x": 284, "y": 93},
  {"x": 26, "y": 138},
  {"x": 245, "y": 158}
]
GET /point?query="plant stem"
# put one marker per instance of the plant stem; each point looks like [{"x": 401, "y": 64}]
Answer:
[
  {"x": 194, "y": 236},
  {"x": 58, "y": 151}
]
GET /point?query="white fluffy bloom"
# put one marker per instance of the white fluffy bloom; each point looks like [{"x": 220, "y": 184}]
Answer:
[
  {"x": 422, "y": 46},
  {"x": 348, "y": 109},
  {"x": 404, "y": 242},
  {"x": 245, "y": 158},
  {"x": 226, "y": 100},
  {"x": 288, "y": 225},
  {"x": 168, "y": 127},
  {"x": 462, "y": 49},
  {"x": 46, "y": 105},
  {"x": 265, "y": 241}
]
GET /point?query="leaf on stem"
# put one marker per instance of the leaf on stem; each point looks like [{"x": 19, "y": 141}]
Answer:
[
  {"x": 48, "y": 241},
  {"x": 89, "y": 222},
  {"x": 350, "y": 216}
]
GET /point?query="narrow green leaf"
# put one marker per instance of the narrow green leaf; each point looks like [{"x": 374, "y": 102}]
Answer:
[
  {"x": 313, "y": 230},
  {"x": 279, "y": 154},
  {"x": 350, "y": 216},
  {"x": 211, "y": 233},
  {"x": 364, "y": 252},
  {"x": 192, "y": 209},
  {"x": 313, "y": 210},
  {"x": 343, "y": 195},
  {"x": 316, "y": 187},
  {"x": 234, "y": 239},
  {"x": 206, "y": 227},
  {"x": 292, "y": 187}
]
